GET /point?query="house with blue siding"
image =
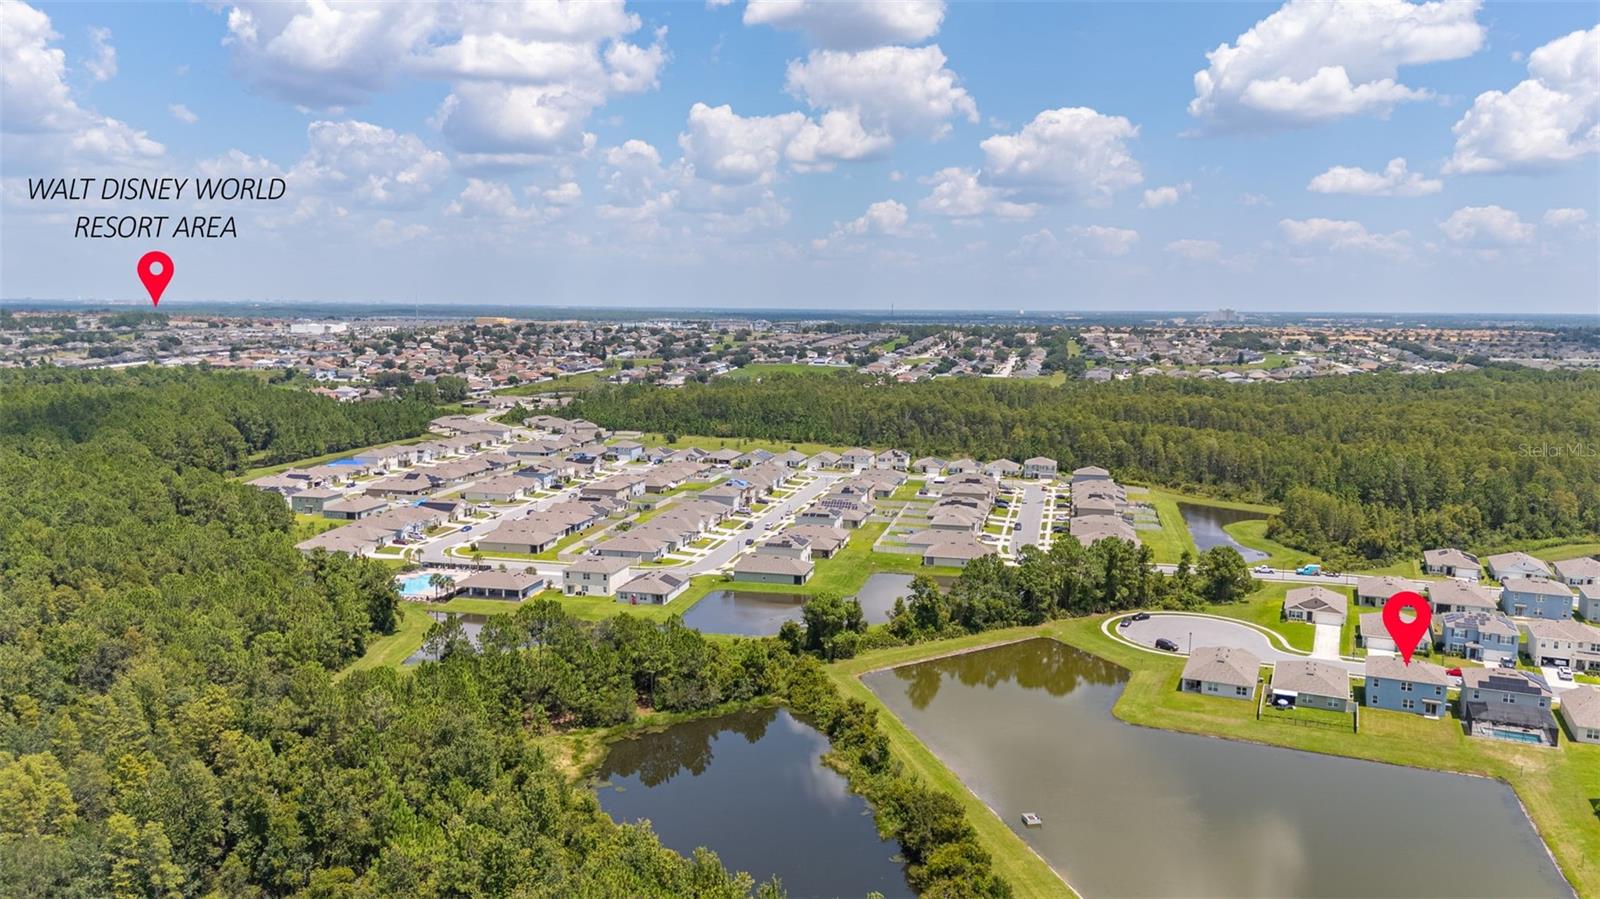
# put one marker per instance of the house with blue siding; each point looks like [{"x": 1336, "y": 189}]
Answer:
[
  {"x": 1536, "y": 597},
  {"x": 1485, "y": 637},
  {"x": 1418, "y": 688}
]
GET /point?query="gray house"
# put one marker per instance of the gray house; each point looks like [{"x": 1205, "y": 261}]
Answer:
[
  {"x": 1589, "y": 602},
  {"x": 1220, "y": 671},
  {"x": 1581, "y": 707},
  {"x": 1317, "y": 605},
  {"x": 1518, "y": 564},
  {"x": 1507, "y": 704},
  {"x": 1578, "y": 572},
  {"x": 768, "y": 568},
  {"x": 1418, "y": 688},
  {"x": 1308, "y": 683},
  {"x": 1452, "y": 563},
  {"x": 1484, "y": 637},
  {"x": 1460, "y": 596},
  {"x": 1375, "y": 591},
  {"x": 1535, "y": 597}
]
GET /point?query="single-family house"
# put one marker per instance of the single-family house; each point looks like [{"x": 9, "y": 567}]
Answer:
[
  {"x": 1089, "y": 473},
  {"x": 1589, "y": 602},
  {"x": 1418, "y": 688},
  {"x": 893, "y": 460},
  {"x": 818, "y": 515},
  {"x": 352, "y": 539},
  {"x": 512, "y": 585},
  {"x": 1374, "y": 591},
  {"x": 625, "y": 451},
  {"x": 1091, "y": 529},
  {"x": 654, "y": 589},
  {"x": 1220, "y": 671},
  {"x": 1485, "y": 637},
  {"x": 1578, "y": 572},
  {"x": 1563, "y": 642},
  {"x": 928, "y": 465},
  {"x": 1452, "y": 562},
  {"x": 1460, "y": 596},
  {"x": 724, "y": 456},
  {"x": 506, "y": 488},
  {"x": 1535, "y": 597},
  {"x": 1309, "y": 683},
  {"x": 824, "y": 459},
  {"x": 1507, "y": 704},
  {"x": 1517, "y": 564},
  {"x": 353, "y": 508},
  {"x": 824, "y": 541},
  {"x": 770, "y": 568},
  {"x": 728, "y": 494},
  {"x": 617, "y": 487},
  {"x": 310, "y": 502},
  {"x": 1373, "y": 636},
  {"x": 524, "y": 537},
  {"x": 1581, "y": 707},
  {"x": 596, "y": 576},
  {"x": 1316, "y": 605},
  {"x": 790, "y": 459},
  {"x": 1002, "y": 468},
  {"x": 955, "y": 552},
  {"x": 633, "y": 546},
  {"x": 1039, "y": 467},
  {"x": 789, "y": 544},
  {"x": 962, "y": 466},
  {"x": 856, "y": 457}
]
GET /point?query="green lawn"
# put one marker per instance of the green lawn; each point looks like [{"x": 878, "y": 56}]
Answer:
[
  {"x": 254, "y": 473},
  {"x": 761, "y": 369},
  {"x": 1169, "y": 543},
  {"x": 1563, "y": 551},
  {"x": 308, "y": 526},
  {"x": 1265, "y": 608},
  {"x": 742, "y": 444},
  {"x": 392, "y": 649},
  {"x": 848, "y": 570},
  {"x": 1254, "y": 535}
]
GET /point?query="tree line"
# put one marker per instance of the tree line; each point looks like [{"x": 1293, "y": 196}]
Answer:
[{"x": 1367, "y": 468}]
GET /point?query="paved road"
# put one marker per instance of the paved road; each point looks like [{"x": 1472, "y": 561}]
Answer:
[
  {"x": 1199, "y": 630},
  {"x": 1030, "y": 517},
  {"x": 774, "y": 515}
]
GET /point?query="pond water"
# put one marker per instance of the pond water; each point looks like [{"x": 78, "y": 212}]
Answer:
[
  {"x": 1131, "y": 811},
  {"x": 752, "y": 787},
  {"x": 471, "y": 625},
  {"x": 1206, "y": 525},
  {"x": 755, "y": 613}
]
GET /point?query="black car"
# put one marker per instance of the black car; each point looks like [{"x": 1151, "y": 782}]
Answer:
[
  {"x": 1124, "y": 622},
  {"x": 1166, "y": 645},
  {"x": 1141, "y": 616}
]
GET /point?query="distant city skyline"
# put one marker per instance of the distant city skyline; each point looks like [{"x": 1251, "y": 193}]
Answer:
[{"x": 1380, "y": 156}]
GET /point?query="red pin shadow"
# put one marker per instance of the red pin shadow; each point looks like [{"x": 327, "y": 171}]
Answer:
[
  {"x": 155, "y": 272},
  {"x": 1406, "y": 634}
]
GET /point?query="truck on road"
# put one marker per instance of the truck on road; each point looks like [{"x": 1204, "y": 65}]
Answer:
[{"x": 1309, "y": 569}]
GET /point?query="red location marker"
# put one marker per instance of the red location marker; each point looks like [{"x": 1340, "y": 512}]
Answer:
[
  {"x": 155, "y": 270},
  {"x": 1406, "y": 634}
]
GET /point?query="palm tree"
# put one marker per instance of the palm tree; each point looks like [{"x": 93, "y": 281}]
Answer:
[{"x": 440, "y": 582}]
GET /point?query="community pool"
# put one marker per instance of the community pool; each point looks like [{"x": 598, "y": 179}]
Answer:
[
  {"x": 416, "y": 585},
  {"x": 347, "y": 460}
]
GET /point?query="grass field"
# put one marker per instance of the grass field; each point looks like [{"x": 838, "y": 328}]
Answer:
[
  {"x": 1169, "y": 543},
  {"x": 1254, "y": 535},
  {"x": 743, "y": 444},
  {"x": 1265, "y": 608},
  {"x": 848, "y": 570},
  {"x": 254, "y": 473},
  {"x": 760, "y": 369},
  {"x": 389, "y": 651}
]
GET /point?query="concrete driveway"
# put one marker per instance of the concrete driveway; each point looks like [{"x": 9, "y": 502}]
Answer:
[
  {"x": 1325, "y": 643},
  {"x": 1189, "y": 631}
]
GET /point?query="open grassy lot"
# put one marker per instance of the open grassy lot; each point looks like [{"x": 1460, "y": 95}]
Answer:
[
  {"x": 1169, "y": 543},
  {"x": 762, "y": 369},
  {"x": 742, "y": 444},
  {"x": 307, "y": 526},
  {"x": 1254, "y": 535},
  {"x": 254, "y": 473},
  {"x": 848, "y": 570},
  {"x": 1265, "y": 609},
  {"x": 389, "y": 651}
]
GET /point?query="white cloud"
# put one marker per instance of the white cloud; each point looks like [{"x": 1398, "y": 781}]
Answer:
[
  {"x": 1100, "y": 240},
  {"x": 323, "y": 54},
  {"x": 1343, "y": 236},
  {"x": 899, "y": 90},
  {"x": 103, "y": 67},
  {"x": 1548, "y": 119},
  {"x": 489, "y": 200},
  {"x": 959, "y": 194},
  {"x": 1075, "y": 242},
  {"x": 851, "y": 24},
  {"x": 1315, "y": 60},
  {"x": 724, "y": 146},
  {"x": 1035, "y": 247},
  {"x": 837, "y": 136},
  {"x": 1196, "y": 250},
  {"x": 1064, "y": 154},
  {"x": 635, "y": 69},
  {"x": 568, "y": 193},
  {"x": 43, "y": 123},
  {"x": 1393, "y": 181},
  {"x": 883, "y": 218},
  {"x": 183, "y": 114},
  {"x": 1561, "y": 218},
  {"x": 1249, "y": 199},
  {"x": 498, "y": 117},
  {"x": 372, "y": 164},
  {"x": 1169, "y": 195},
  {"x": 1486, "y": 226}
]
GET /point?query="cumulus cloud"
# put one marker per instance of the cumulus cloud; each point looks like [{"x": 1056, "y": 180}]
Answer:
[
  {"x": 726, "y": 147},
  {"x": 1548, "y": 119},
  {"x": 958, "y": 193},
  {"x": 893, "y": 90},
  {"x": 1064, "y": 154},
  {"x": 1074, "y": 242},
  {"x": 103, "y": 65},
  {"x": 1195, "y": 250},
  {"x": 1169, "y": 195},
  {"x": 183, "y": 114},
  {"x": 1486, "y": 226},
  {"x": 489, "y": 200},
  {"x": 1564, "y": 217},
  {"x": 851, "y": 24},
  {"x": 43, "y": 122},
  {"x": 1343, "y": 236},
  {"x": 373, "y": 165},
  {"x": 1315, "y": 60},
  {"x": 525, "y": 76},
  {"x": 1393, "y": 181}
]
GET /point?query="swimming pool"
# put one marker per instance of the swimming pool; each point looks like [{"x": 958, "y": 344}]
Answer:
[
  {"x": 347, "y": 460},
  {"x": 416, "y": 585}
]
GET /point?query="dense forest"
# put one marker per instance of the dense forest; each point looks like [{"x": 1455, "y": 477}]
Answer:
[
  {"x": 172, "y": 723},
  {"x": 1367, "y": 467}
]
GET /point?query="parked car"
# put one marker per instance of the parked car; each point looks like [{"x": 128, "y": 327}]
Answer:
[
  {"x": 749, "y": 540},
  {"x": 1124, "y": 622},
  {"x": 467, "y": 528},
  {"x": 1141, "y": 616},
  {"x": 1330, "y": 574},
  {"x": 1564, "y": 673},
  {"x": 1508, "y": 662},
  {"x": 1453, "y": 672},
  {"x": 1263, "y": 569},
  {"x": 1166, "y": 645}
]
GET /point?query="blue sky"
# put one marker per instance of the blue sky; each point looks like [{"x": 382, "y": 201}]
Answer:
[{"x": 1330, "y": 156}]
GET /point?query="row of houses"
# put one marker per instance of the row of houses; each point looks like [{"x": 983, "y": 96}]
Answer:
[
  {"x": 1100, "y": 508},
  {"x": 1495, "y": 703},
  {"x": 1455, "y": 563}
]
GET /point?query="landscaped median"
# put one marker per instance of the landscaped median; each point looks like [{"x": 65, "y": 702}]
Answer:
[{"x": 1558, "y": 787}]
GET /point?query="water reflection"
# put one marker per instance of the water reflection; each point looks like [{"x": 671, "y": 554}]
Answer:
[
  {"x": 752, "y": 787},
  {"x": 1207, "y": 523},
  {"x": 1131, "y": 811}
]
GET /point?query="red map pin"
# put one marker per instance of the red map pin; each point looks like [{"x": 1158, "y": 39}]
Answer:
[
  {"x": 155, "y": 270},
  {"x": 1406, "y": 634}
]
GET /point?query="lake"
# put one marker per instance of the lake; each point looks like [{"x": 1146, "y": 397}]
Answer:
[
  {"x": 755, "y": 613},
  {"x": 751, "y": 786},
  {"x": 471, "y": 625},
  {"x": 1206, "y": 525},
  {"x": 1132, "y": 811}
]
